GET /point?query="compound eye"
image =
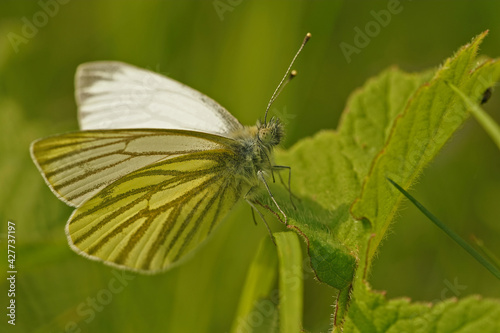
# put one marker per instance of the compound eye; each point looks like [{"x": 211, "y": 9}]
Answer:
[{"x": 264, "y": 134}]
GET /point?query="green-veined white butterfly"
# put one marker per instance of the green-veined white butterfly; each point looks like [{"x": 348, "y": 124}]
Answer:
[{"x": 156, "y": 166}]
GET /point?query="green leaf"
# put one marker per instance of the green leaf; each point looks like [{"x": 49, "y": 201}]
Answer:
[
  {"x": 392, "y": 127},
  {"x": 372, "y": 312},
  {"x": 434, "y": 113},
  {"x": 329, "y": 168}
]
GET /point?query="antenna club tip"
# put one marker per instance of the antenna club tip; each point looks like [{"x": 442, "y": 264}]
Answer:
[
  {"x": 308, "y": 36},
  {"x": 293, "y": 73}
]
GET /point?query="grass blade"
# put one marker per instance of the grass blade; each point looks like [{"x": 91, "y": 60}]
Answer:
[
  {"x": 489, "y": 266},
  {"x": 261, "y": 278},
  {"x": 290, "y": 281}
]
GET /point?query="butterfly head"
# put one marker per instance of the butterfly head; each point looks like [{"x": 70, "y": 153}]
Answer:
[{"x": 271, "y": 133}]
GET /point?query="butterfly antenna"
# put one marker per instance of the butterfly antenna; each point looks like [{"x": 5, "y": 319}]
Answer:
[
  {"x": 292, "y": 74},
  {"x": 290, "y": 77}
]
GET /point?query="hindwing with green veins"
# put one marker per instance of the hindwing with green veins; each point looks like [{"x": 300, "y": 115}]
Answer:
[{"x": 142, "y": 200}]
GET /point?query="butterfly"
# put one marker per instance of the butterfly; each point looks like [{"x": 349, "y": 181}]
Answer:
[{"x": 155, "y": 167}]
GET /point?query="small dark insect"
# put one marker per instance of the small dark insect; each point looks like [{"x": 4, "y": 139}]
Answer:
[{"x": 486, "y": 95}]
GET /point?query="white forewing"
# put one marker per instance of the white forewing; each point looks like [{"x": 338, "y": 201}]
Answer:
[
  {"x": 78, "y": 165},
  {"x": 114, "y": 95}
]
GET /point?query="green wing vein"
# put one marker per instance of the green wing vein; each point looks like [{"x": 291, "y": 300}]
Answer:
[
  {"x": 151, "y": 218},
  {"x": 77, "y": 165}
]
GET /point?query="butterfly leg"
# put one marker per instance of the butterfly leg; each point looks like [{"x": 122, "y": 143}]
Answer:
[
  {"x": 272, "y": 171},
  {"x": 262, "y": 217},
  {"x": 260, "y": 175},
  {"x": 289, "y": 188},
  {"x": 253, "y": 215}
]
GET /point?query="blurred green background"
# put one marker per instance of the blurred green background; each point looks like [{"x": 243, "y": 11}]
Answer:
[{"x": 235, "y": 54}]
